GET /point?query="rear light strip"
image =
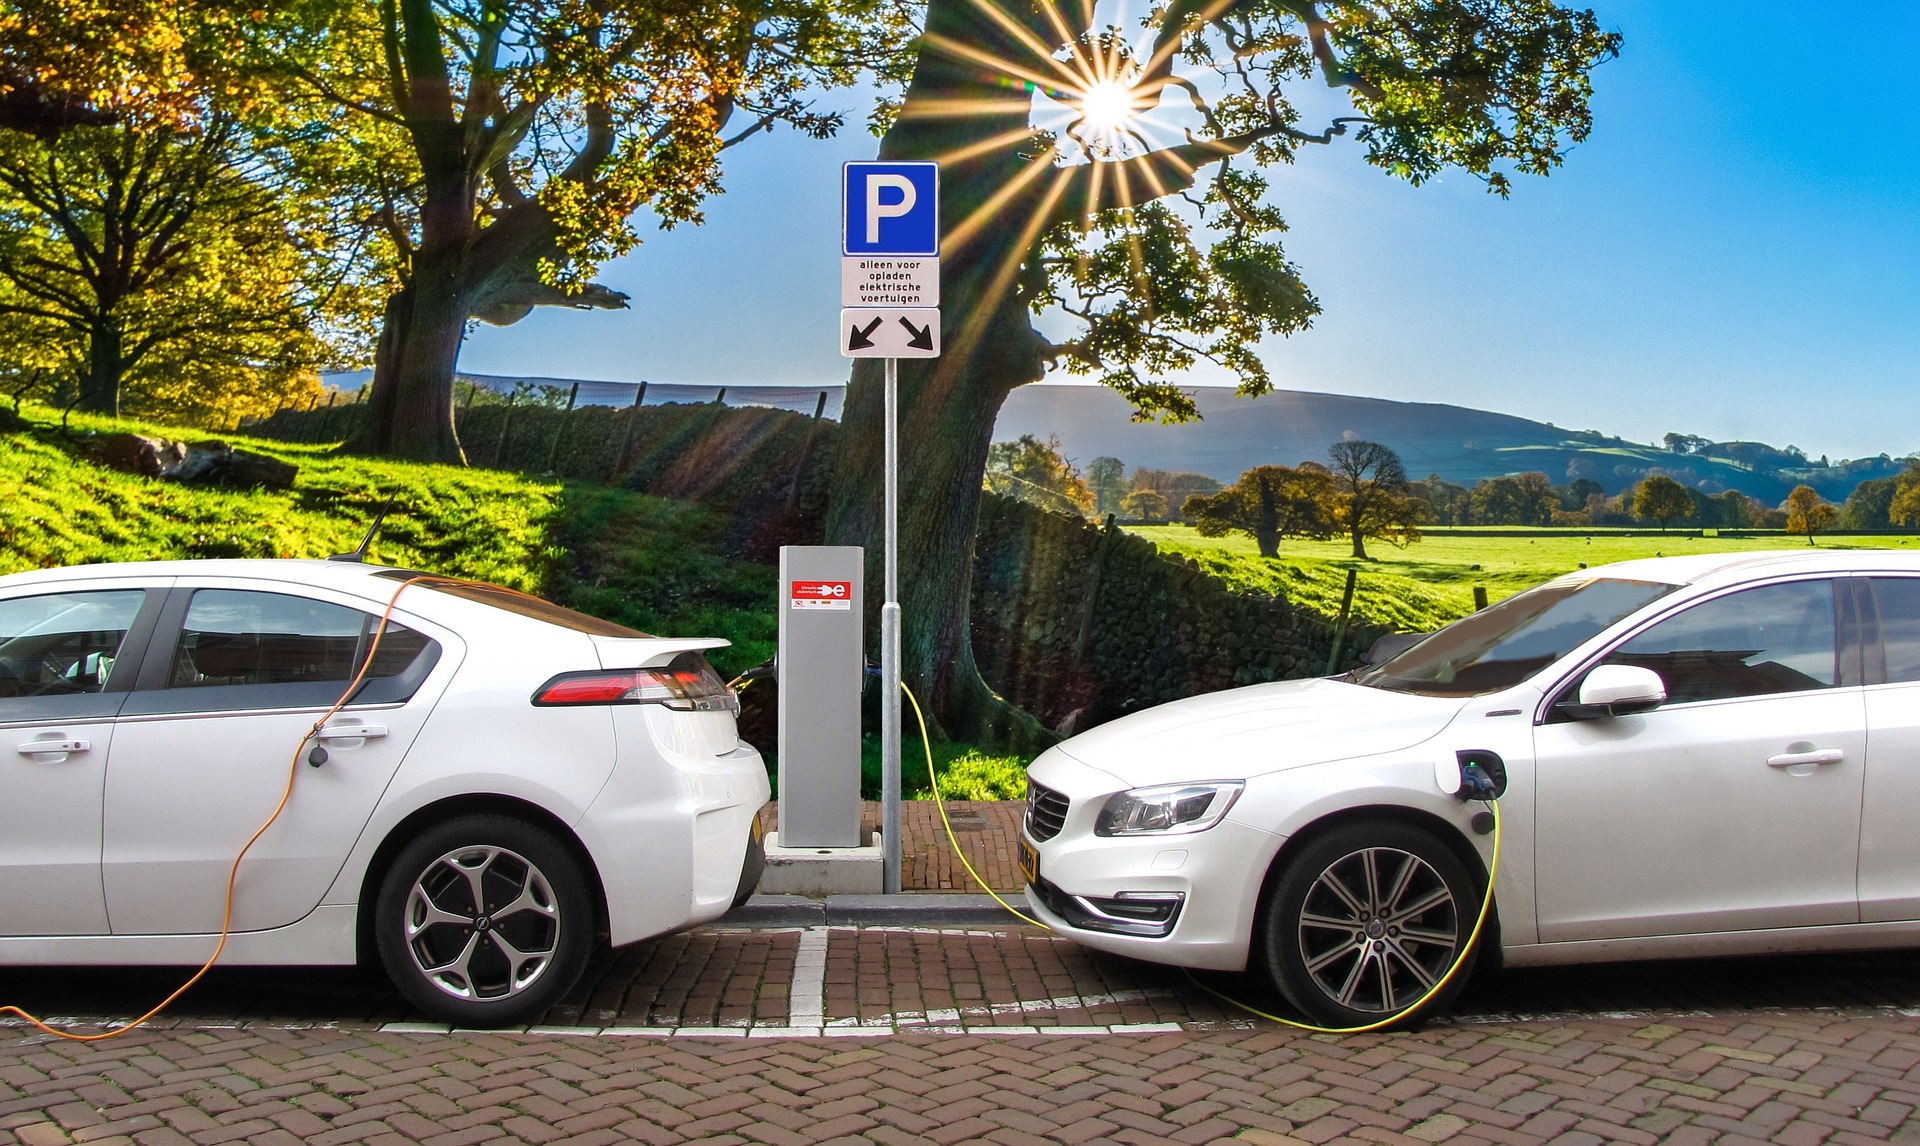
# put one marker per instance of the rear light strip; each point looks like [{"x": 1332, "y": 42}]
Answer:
[{"x": 681, "y": 686}]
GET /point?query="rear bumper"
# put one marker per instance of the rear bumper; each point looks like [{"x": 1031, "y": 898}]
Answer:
[{"x": 676, "y": 845}]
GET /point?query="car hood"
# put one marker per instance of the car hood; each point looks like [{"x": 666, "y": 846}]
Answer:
[{"x": 1258, "y": 729}]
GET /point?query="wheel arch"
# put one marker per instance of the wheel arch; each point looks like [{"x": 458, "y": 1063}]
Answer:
[
  {"x": 451, "y": 807},
  {"x": 1446, "y": 832}
]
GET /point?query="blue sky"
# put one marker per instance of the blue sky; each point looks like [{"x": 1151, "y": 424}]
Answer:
[{"x": 1735, "y": 253}]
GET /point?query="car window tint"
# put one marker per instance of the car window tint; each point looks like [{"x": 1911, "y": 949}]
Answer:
[
  {"x": 238, "y": 637},
  {"x": 1897, "y": 600},
  {"x": 1777, "y": 638},
  {"x": 58, "y": 644}
]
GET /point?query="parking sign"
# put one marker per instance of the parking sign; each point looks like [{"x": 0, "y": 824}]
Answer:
[{"x": 890, "y": 209}]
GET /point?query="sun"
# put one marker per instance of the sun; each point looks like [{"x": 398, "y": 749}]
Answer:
[{"x": 1107, "y": 106}]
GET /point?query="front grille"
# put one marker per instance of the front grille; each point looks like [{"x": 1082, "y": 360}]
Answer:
[{"x": 1046, "y": 811}]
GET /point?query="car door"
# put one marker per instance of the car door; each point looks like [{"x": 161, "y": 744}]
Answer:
[
  {"x": 1889, "y": 844},
  {"x": 202, "y": 749},
  {"x": 67, "y": 657},
  {"x": 1733, "y": 806}
]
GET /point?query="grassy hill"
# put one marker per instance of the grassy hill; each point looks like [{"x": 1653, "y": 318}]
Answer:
[
  {"x": 640, "y": 560},
  {"x": 1460, "y": 444},
  {"x": 1431, "y": 582}
]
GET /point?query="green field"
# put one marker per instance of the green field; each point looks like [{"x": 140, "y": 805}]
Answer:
[{"x": 1431, "y": 582}]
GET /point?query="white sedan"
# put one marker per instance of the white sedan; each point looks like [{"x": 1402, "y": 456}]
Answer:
[
  {"x": 1709, "y": 755},
  {"x": 512, "y": 783}
]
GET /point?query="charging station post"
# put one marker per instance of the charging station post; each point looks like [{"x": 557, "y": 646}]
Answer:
[{"x": 890, "y": 299}]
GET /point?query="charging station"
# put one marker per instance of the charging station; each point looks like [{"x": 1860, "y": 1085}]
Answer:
[{"x": 818, "y": 847}]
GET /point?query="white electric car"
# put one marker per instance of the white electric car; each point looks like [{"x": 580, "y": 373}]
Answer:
[
  {"x": 1702, "y": 756},
  {"x": 512, "y": 782}
]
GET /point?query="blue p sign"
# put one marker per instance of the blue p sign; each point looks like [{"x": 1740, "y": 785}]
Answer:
[{"x": 890, "y": 209}]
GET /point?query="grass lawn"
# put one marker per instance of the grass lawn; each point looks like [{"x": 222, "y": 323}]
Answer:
[{"x": 1431, "y": 582}]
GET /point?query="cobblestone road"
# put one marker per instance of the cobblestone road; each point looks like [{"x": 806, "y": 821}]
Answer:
[{"x": 893, "y": 1035}]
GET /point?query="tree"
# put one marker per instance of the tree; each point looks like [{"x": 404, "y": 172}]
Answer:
[
  {"x": 1905, "y": 507},
  {"x": 1144, "y": 505},
  {"x": 1807, "y": 513},
  {"x": 506, "y": 145},
  {"x": 1155, "y": 258},
  {"x": 147, "y": 261},
  {"x": 1033, "y": 471},
  {"x": 1514, "y": 499},
  {"x": 74, "y": 63},
  {"x": 1662, "y": 499},
  {"x": 1450, "y": 502},
  {"x": 1375, "y": 499},
  {"x": 1574, "y": 497},
  {"x": 1107, "y": 478},
  {"x": 1175, "y": 486},
  {"x": 1269, "y": 503}
]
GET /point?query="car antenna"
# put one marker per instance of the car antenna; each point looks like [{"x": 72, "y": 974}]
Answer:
[{"x": 359, "y": 553}]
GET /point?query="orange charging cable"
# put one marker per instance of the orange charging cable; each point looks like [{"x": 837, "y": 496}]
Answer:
[{"x": 233, "y": 873}]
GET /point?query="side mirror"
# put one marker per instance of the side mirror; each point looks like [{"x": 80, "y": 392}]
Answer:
[
  {"x": 1617, "y": 690},
  {"x": 1389, "y": 646}
]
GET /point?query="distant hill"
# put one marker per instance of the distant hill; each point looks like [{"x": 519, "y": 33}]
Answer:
[
  {"x": 1460, "y": 444},
  {"x": 1287, "y": 427}
]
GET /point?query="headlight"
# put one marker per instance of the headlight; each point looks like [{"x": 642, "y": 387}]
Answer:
[{"x": 1169, "y": 809}]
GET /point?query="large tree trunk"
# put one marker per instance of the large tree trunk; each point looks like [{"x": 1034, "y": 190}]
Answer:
[
  {"x": 948, "y": 405},
  {"x": 100, "y": 386},
  {"x": 410, "y": 411}
]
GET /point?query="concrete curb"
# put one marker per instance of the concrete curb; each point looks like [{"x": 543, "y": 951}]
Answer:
[{"x": 908, "y": 909}]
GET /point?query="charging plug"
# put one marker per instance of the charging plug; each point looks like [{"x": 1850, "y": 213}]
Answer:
[{"x": 1483, "y": 775}]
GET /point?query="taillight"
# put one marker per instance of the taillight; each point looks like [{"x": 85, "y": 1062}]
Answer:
[{"x": 689, "y": 684}]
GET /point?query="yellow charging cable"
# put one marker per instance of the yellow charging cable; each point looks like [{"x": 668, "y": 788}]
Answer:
[
  {"x": 1473, "y": 938},
  {"x": 293, "y": 770},
  {"x": 933, "y": 778}
]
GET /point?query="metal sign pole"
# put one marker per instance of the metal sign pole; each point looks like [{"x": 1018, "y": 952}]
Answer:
[{"x": 890, "y": 648}]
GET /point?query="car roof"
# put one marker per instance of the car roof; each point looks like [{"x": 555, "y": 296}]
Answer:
[
  {"x": 1709, "y": 569},
  {"x": 295, "y": 570}
]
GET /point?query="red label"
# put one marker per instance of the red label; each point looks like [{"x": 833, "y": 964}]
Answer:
[{"x": 821, "y": 595}]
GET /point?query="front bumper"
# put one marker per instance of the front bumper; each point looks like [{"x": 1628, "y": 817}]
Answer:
[{"x": 1210, "y": 880}]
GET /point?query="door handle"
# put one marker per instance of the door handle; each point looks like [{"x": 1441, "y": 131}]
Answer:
[
  {"x": 49, "y": 747},
  {"x": 1817, "y": 756},
  {"x": 350, "y": 732}
]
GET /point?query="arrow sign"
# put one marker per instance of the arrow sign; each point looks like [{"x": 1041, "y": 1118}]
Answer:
[
  {"x": 890, "y": 332},
  {"x": 919, "y": 337},
  {"x": 858, "y": 337}
]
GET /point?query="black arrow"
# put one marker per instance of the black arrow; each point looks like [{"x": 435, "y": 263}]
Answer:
[
  {"x": 918, "y": 337},
  {"x": 858, "y": 340}
]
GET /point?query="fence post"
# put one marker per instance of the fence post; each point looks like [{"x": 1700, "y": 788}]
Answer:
[
  {"x": 806, "y": 451},
  {"x": 1479, "y": 597},
  {"x": 1340, "y": 628},
  {"x": 626, "y": 442},
  {"x": 553, "y": 455},
  {"x": 720, "y": 399},
  {"x": 506, "y": 423}
]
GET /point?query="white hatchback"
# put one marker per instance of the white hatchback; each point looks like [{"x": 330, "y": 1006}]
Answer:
[
  {"x": 512, "y": 782},
  {"x": 1706, "y": 755}
]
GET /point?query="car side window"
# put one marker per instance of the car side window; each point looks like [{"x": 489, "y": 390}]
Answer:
[
  {"x": 62, "y": 644},
  {"x": 1773, "y": 639},
  {"x": 243, "y": 637},
  {"x": 1897, "y": 600}
]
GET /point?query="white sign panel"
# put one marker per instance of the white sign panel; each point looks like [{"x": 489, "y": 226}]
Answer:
[
  {"x": 869, "y": 281},
  {"x": 890, "y": 332}
]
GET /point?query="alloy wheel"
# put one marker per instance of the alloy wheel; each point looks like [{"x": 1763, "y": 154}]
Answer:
[
  {"x": 481, "y": 923},
  {"x": 1378, "y": 929}
]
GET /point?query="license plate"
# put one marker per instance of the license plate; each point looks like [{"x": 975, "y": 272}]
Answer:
[{"x": 1029, "y": 861}]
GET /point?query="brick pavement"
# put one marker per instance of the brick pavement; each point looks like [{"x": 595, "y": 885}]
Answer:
[{"x": 1810, "y": 1077}]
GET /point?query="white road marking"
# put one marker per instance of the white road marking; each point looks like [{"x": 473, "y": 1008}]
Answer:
[{"x": 806, "y": 998}]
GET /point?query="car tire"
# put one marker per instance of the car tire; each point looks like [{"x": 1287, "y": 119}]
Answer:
[
  {"x": 503, "y": 960},
  {"x": 1365, "y": 920}
]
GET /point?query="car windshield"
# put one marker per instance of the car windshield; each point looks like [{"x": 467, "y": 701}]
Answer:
[{"x": 1500, "y": 646}]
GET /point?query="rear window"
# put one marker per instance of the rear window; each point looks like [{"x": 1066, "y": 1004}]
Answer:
[{"x": 514, "y": 601}]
